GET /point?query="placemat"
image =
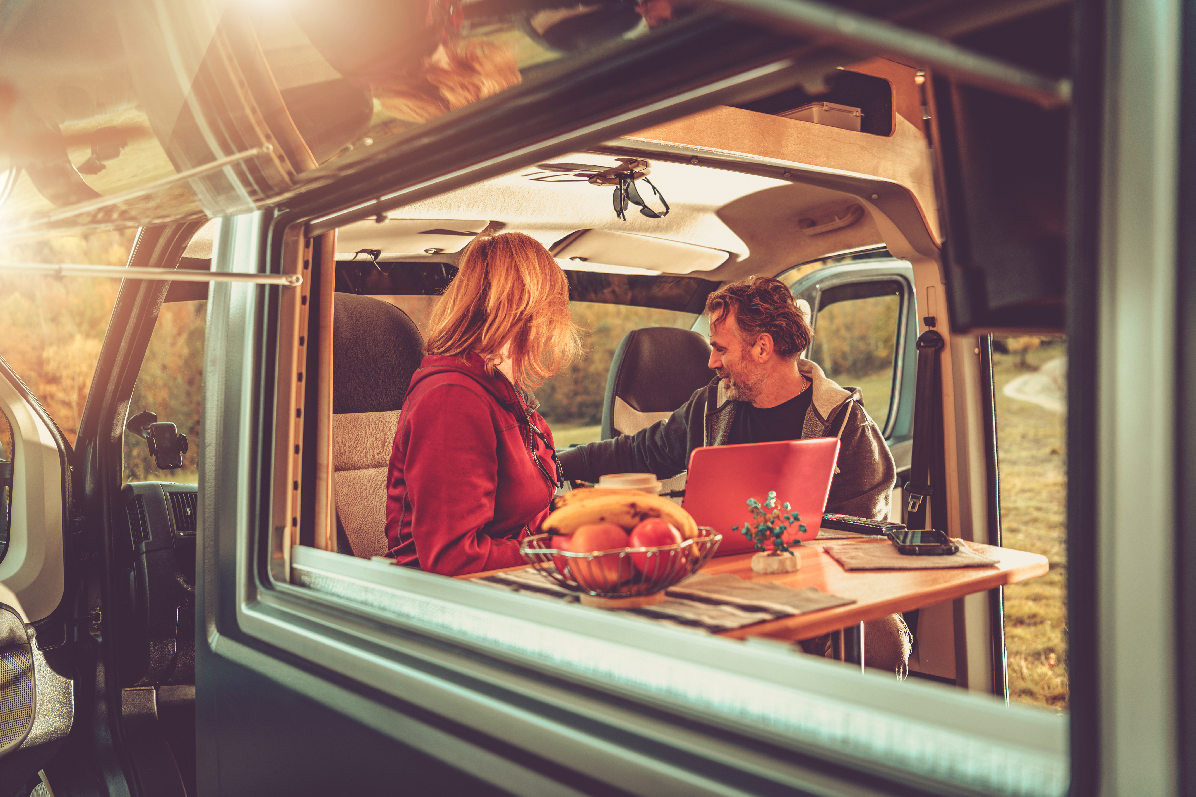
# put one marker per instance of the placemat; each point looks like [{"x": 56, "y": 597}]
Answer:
[
  {"x": 705, "y": 602},
  {"x": 884, "y": 556}
]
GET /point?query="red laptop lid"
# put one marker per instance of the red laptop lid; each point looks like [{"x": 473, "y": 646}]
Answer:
[{"x": 722, "y": 478}]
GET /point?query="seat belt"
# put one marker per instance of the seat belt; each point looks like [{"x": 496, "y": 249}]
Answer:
[{"x": 927, "y": 466}]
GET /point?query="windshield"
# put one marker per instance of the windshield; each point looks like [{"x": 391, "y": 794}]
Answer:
[
  {"x": 605, "y": 307},
  {"x": 170, "y": 385}
]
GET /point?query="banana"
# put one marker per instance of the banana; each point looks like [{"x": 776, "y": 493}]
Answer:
[
  {"x": 581, "y": 495},
  {"x": 624, "y": 508},
  {"x": 585, "y": 495}
]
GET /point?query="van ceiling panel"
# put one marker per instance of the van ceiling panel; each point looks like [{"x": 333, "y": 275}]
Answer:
[
  {"x": 638, "y": 251},
  {"x": 408, "y": 236},
  {"x": 549, "y": 204},
  {"x": 773, "y": 223},
  {"x": 725, "y": 224},
  {"x": 903, "y": 157}
]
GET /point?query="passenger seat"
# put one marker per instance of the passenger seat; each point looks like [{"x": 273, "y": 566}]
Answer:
[
  {"x": 376, "y": 349},
  {"x": 654, "y": 371}
]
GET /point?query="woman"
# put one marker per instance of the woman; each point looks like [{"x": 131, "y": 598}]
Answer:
[{"x": 473, "y": 468}]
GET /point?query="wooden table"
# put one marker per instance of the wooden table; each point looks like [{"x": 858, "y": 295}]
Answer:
[{"x": 877, "y": 593}]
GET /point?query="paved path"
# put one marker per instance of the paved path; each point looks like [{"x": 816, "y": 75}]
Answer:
[{"x": 1046, "y": 387}]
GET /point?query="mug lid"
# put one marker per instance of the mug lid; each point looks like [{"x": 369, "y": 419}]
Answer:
[{"x": 630, "y": 481}]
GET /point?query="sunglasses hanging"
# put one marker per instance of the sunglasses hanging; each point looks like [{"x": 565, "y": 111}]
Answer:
[{"x": 623, "y": 177}]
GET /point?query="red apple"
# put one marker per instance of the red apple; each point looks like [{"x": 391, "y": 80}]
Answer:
[
  {"x": 600, "y": 573},
  {"x": 653, "y": 533},
  {"x": 559, "y": 542}
]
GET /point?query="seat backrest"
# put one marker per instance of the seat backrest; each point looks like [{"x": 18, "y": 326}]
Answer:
[
  {"x": 655, "y": 370},
  {"x": 376, "y": 348}
]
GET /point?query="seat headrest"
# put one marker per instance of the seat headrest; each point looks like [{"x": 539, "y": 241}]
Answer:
[
  {"x": 654, "y": 370},
  {"x": 376, "y": 349}
]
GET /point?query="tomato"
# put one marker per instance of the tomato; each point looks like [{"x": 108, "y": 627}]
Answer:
[
  {"x": 599, "y": 574},
  {"x": 653, "y": 533}
]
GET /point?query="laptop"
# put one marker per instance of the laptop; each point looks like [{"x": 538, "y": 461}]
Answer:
[{"x": 722, "y": 478}]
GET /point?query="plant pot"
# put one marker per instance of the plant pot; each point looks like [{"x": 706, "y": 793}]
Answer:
[{"x": 773, "y": 562}]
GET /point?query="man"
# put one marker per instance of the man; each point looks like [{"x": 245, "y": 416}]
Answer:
[{"x": 766, "y": 392}]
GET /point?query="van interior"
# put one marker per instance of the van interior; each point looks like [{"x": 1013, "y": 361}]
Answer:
[{"x": 729, "y": 193}]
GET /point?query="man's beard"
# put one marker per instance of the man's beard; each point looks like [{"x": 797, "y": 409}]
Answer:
[{"x": 743, "y": 386}]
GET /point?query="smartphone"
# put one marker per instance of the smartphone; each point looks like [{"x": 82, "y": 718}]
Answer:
[{"x": 925, "y": 542}]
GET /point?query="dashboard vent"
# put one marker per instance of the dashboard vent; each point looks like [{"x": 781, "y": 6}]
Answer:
[
  {"x": 138, "y": 522},
  {"x": 185, "y": 507}
]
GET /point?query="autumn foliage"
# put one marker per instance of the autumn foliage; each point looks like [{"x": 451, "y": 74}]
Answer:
[{"x": 51, "y": 331}]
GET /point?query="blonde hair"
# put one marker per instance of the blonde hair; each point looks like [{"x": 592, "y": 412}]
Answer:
[
  {"x": 452, "y": 77},
  {"x": 508, "y": 290}
]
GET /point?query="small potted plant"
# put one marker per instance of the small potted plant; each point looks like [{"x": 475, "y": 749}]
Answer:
[{"x": 771, "y": 523}]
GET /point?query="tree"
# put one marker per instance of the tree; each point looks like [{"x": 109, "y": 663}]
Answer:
[
  {"x": 1022, "y": 346},
  {"x": 51, "y": 328}
]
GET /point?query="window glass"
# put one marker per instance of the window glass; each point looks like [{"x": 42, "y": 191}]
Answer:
[
  {"x": 52, "y": 328},
  {"x": 390, "y": 67},
  {"x": 6, "y": 476},
  {"x": 855, "y": 340},
  {"x": 571, "y": 401},
  {"x": 337, "y": 80},
  {"x": 1030, "y": 382},
  {"x": 170, "y": 385}
]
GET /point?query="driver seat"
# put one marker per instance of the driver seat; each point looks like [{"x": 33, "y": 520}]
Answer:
[
  {"x": 376, "y": 348},
  {"x": 654, "y": 371}
]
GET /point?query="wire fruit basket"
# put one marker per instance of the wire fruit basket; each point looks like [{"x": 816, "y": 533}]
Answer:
[{"x": 624, "y": 577}]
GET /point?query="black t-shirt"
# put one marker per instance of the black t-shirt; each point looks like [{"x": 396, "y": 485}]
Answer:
[{"x": 782, "y": 422}]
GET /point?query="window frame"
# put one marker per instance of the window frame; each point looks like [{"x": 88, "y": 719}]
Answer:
[
  {"x": 903, "y": 297},
  {"x": 7, "y": 468},
  {"x": 432, "y": 633},
  {"x": 896, "y": 426},
  {"x": 35, "y": 564}
]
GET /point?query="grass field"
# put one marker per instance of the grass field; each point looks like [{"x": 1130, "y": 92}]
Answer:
[
  {"x": 566, "y": 436},
  {"x": 1032, "y": 457}
]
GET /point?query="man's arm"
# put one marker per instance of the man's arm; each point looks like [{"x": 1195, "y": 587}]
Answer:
[
  {"x": 662, "y": 448},
  {"x": 863, "y": 486}
]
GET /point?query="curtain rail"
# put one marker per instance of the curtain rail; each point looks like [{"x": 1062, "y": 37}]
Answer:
[{"x": 165, "y": 274}]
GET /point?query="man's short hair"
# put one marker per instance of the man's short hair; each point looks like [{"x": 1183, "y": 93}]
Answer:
[{"x": 762, "y": 305}]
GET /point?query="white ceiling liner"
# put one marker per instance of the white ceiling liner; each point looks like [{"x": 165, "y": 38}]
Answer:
[
  {"x": 638, "y": 251},
  {"x": 548, "y": 211},
  {"x": 408, "y": 236}
]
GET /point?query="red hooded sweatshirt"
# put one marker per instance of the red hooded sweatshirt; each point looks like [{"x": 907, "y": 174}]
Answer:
[{"x": 472, "y": 471}]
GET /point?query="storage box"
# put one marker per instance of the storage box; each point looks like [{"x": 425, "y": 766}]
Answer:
[{"x": 828, "y": 113}]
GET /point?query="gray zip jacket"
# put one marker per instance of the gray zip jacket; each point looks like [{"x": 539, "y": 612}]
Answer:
[{"x": 863, "y": 479}]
